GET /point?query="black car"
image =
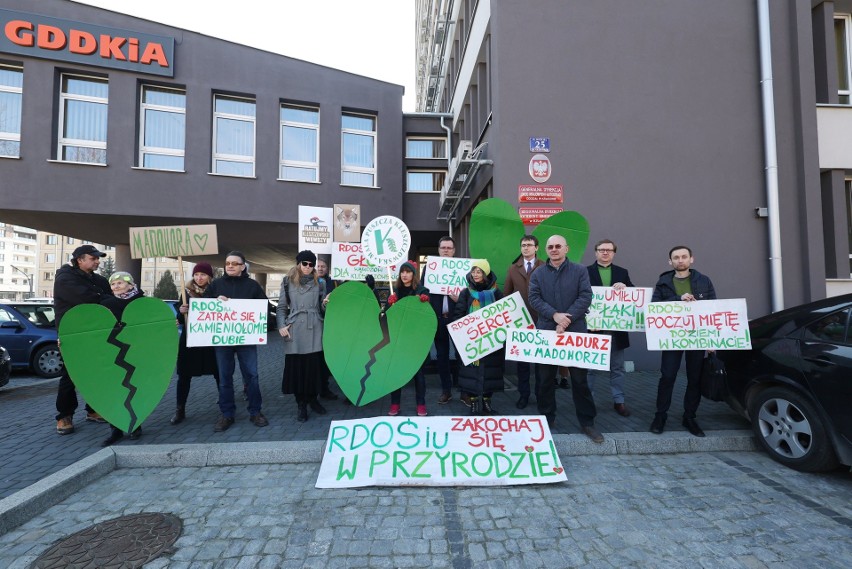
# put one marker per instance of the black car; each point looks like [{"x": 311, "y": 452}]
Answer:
[
  {"x": 795, "y": 384},
  {"x": 5, "y": 366}
]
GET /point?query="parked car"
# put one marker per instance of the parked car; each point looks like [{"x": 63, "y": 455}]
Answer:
[
  {"x": 5, "y": 366},
  {"x": 28, "y": 332},
  {"x": 795, "y": 384}
]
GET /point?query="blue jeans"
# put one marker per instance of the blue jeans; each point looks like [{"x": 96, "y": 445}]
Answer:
[
  {"x": 524, "y": 378},
  {"x": 247, "y": 356},
  {"x": 616, "y": 376}
]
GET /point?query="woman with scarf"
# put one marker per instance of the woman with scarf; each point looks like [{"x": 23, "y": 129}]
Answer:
[
  {"x": 481, "y": 378},
  {"x": 408, "y": 284},
  {"x": 300, "y": 321},
  {"x": 124, "y": 292},
  {"x": 200, "y": 360}
]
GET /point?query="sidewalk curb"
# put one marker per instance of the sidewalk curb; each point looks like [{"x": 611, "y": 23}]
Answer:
[{"x": 35, "y": 499}]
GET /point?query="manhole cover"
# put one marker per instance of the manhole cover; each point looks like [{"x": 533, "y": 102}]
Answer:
[{"x": 126, "y": 542}]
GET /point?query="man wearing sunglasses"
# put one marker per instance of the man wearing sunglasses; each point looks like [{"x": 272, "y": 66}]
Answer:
[
  {"x": 235, "y": 283},
  {"x": 561, "y": 294}
]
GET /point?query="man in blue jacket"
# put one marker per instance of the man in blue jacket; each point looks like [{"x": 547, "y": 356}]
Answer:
[
  {"x": 688, "y": 285},
  {"x": 561, "y": 294}
]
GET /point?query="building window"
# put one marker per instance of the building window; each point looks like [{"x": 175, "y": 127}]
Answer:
[
  {"x": 83, "y": 105},
  {"x": 359, "y": 150},
  {"x": 426, "y": 148},
  {"x": 48, "y": 276},
  {"x": 50, "y": 239},
  {"x": 425, "y": 181},
  {"x": 233, "y": 136},
  {"x": 70, "y": 240},
  {"x": 49, "y": 257},
  {"x": 11, "y": 93},
  {"x": 842, "y": 42},
  {"x": 299, "y": 143},
  {"x": 162, "y": 133}
]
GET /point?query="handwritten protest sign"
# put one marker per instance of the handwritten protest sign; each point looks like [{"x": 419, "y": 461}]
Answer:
[
  {"x": 348, "y": 263},
  {"x": 621, "y": 310},
  {"x": 698, "y": 325},
  {"x": 482, "y": 332},
  {"x": 439, "y": 451},
  {"x": 573, "y": 349},
  {"x": 234, "y": 322},
  {"x": 446, "y": 275},
  {"x": 173, "y": 241}
]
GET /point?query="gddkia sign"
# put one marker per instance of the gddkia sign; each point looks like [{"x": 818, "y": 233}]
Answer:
[
  {"x": 482, "y": 332},
  {"x": 439, "y": 451}
]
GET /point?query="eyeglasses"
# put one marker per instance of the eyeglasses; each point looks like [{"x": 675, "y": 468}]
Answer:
[
  {"x": 527, "y": 244},
  {"x": 307, "y": 264},
  {"x": 233, "y": 264},
  {"x": 554, "y": 247},
  {"x": 605, "y": 250}
]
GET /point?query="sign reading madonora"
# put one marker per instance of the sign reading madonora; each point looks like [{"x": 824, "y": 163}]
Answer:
[
  {"x": 173, "y": 241},
  {"x": 439, "y": 451},
  {"x": 698, "y": 325},
  {"x": 234, "y": 322}
]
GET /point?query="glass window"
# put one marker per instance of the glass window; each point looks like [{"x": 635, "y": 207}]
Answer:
[
  {"x": 299, "y": 143},
  {"x": 831, "y": 328},
  {"x": 426, "y": 148},
  {"x": 359, "y": 150},
  {"x": 50, "y": 239},
  {"x": 49, "y": 257},
  {"x": 842, "y": 43},
  {"x": 422, "y": 181},
  {"x": 83, "y": 103},
  {"x": 11, "y": 94},
  {"x": 162, "y": 133},
  {"x": 233, "y": 136}
]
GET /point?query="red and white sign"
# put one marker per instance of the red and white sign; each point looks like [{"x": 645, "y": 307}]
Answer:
[
  {"x": 535, "y": 215},
  {"x": 540, "y": 194},
  {"x": 540, "y": 168}
]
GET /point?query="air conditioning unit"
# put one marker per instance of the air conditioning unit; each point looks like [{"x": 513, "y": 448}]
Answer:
[{"x": 465, "y": 146}]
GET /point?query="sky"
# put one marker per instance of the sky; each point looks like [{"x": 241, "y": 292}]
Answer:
[{"x": 374, "y": 38}]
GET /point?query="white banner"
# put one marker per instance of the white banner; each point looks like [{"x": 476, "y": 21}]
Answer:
[
  {"x": 315, "y": 229},
  {"x": 572, "y": 349},
  {"x": 619, "y": 310},
  {"x": 235, "y": 322},
  {"x": 698, "y": 325},
  {"x": 348, "y": 263},
  {"x": 484, "y": 331},
  {"x": 440, "y": 451},
  {"x": 446, "y": 275}
]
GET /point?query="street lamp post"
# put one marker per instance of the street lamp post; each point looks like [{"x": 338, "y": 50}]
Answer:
[{"x": 29, "y": 279}]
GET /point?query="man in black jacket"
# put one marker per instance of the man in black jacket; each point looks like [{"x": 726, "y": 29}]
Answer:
[
  {"x": 603, "y": 273},
  {"x": 688, "y": 285},
  {"x": 76, "y": 283},
  {"x": 444, "y": 306}
]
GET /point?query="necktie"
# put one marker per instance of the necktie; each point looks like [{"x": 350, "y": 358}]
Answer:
[{"x": 529, "y": 267}]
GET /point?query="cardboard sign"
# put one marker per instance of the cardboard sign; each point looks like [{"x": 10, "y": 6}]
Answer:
[
  {"x": 540, "y": 194},
  {"x": 446, "y": 275},
  {"x": 347, "y": 227},
  {"x": 483, "y": 332},
  {"x": 235, "y": 322},
  {"x": 348, "y": 263},
  {"x": 697, "y": 325},
  {"x": 572, "y": 349},
  {"x": 386, "y": 241},
  {"x": 440, "y": 451},
  {"x": 315, "y": 229},
  {"x": 535, "y": 215},
  {"x": 619, "y": 310},
  {"x": 173, "y": 241}
]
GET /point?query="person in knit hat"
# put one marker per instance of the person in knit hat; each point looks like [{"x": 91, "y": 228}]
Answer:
[
  {"x": 481, "y": 378},
  {"x": 408, "y": 284},
  {"x": 193, "y": 362}
]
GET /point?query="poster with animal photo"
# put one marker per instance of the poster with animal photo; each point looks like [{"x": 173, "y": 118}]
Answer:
[{"x": 347, "y": 224}]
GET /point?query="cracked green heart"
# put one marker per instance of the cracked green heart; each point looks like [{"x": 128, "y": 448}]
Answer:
[
  {"x": 496, "y": 230},
  {"x": 371, "y": 356},
  {"x": 122, "y": 370}
]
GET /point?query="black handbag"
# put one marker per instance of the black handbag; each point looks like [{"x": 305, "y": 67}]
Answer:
[{"x": 714, "y": 378}]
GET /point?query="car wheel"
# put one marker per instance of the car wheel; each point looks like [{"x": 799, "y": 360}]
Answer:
[
  {"x": 788, "y": 426},
  {"x": 47, "y": 362}
]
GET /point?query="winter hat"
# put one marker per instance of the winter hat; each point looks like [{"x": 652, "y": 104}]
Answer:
[
  {"x": 481, "y": 264},
  {"x": 121, "y": 276},
  {"x": 203, "y": 268},
  {"x": 306, "y": 255},
  {"x": 410, "y": 265}
]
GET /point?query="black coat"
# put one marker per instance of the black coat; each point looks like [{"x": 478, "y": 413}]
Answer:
[
  {"x": 487, "y": 377},
  {"x": 74, "y": 286},
  {"x": 235, "y": 287},
  {"x": 620, "y": 340},
  {"x": 199, "y": 360},
  {"x": 702, "y": 287}
]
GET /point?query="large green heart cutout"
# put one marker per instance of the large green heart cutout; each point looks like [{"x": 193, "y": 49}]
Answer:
[
  {"x": 496, "y": 230},
  {"x": 371, "y": 355},
  {"x": 121, "y": 370}
]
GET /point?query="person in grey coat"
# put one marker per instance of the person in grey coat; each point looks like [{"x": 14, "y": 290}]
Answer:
[
  {"x": 561, "y": 294},
  {"x": 300, "y": 320}
]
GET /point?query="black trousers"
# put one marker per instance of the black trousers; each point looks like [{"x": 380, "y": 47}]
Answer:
[
  {"x": 66, "y": 397},
  {"x": 669, "y": 366},
  {"x": 584, "y": 403}
]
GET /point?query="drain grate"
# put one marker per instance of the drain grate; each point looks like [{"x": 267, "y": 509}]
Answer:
[{"x": 127, "y": 542}]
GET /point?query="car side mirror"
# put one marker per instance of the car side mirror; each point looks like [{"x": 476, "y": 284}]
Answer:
[{"x": 11, "y": 324}]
